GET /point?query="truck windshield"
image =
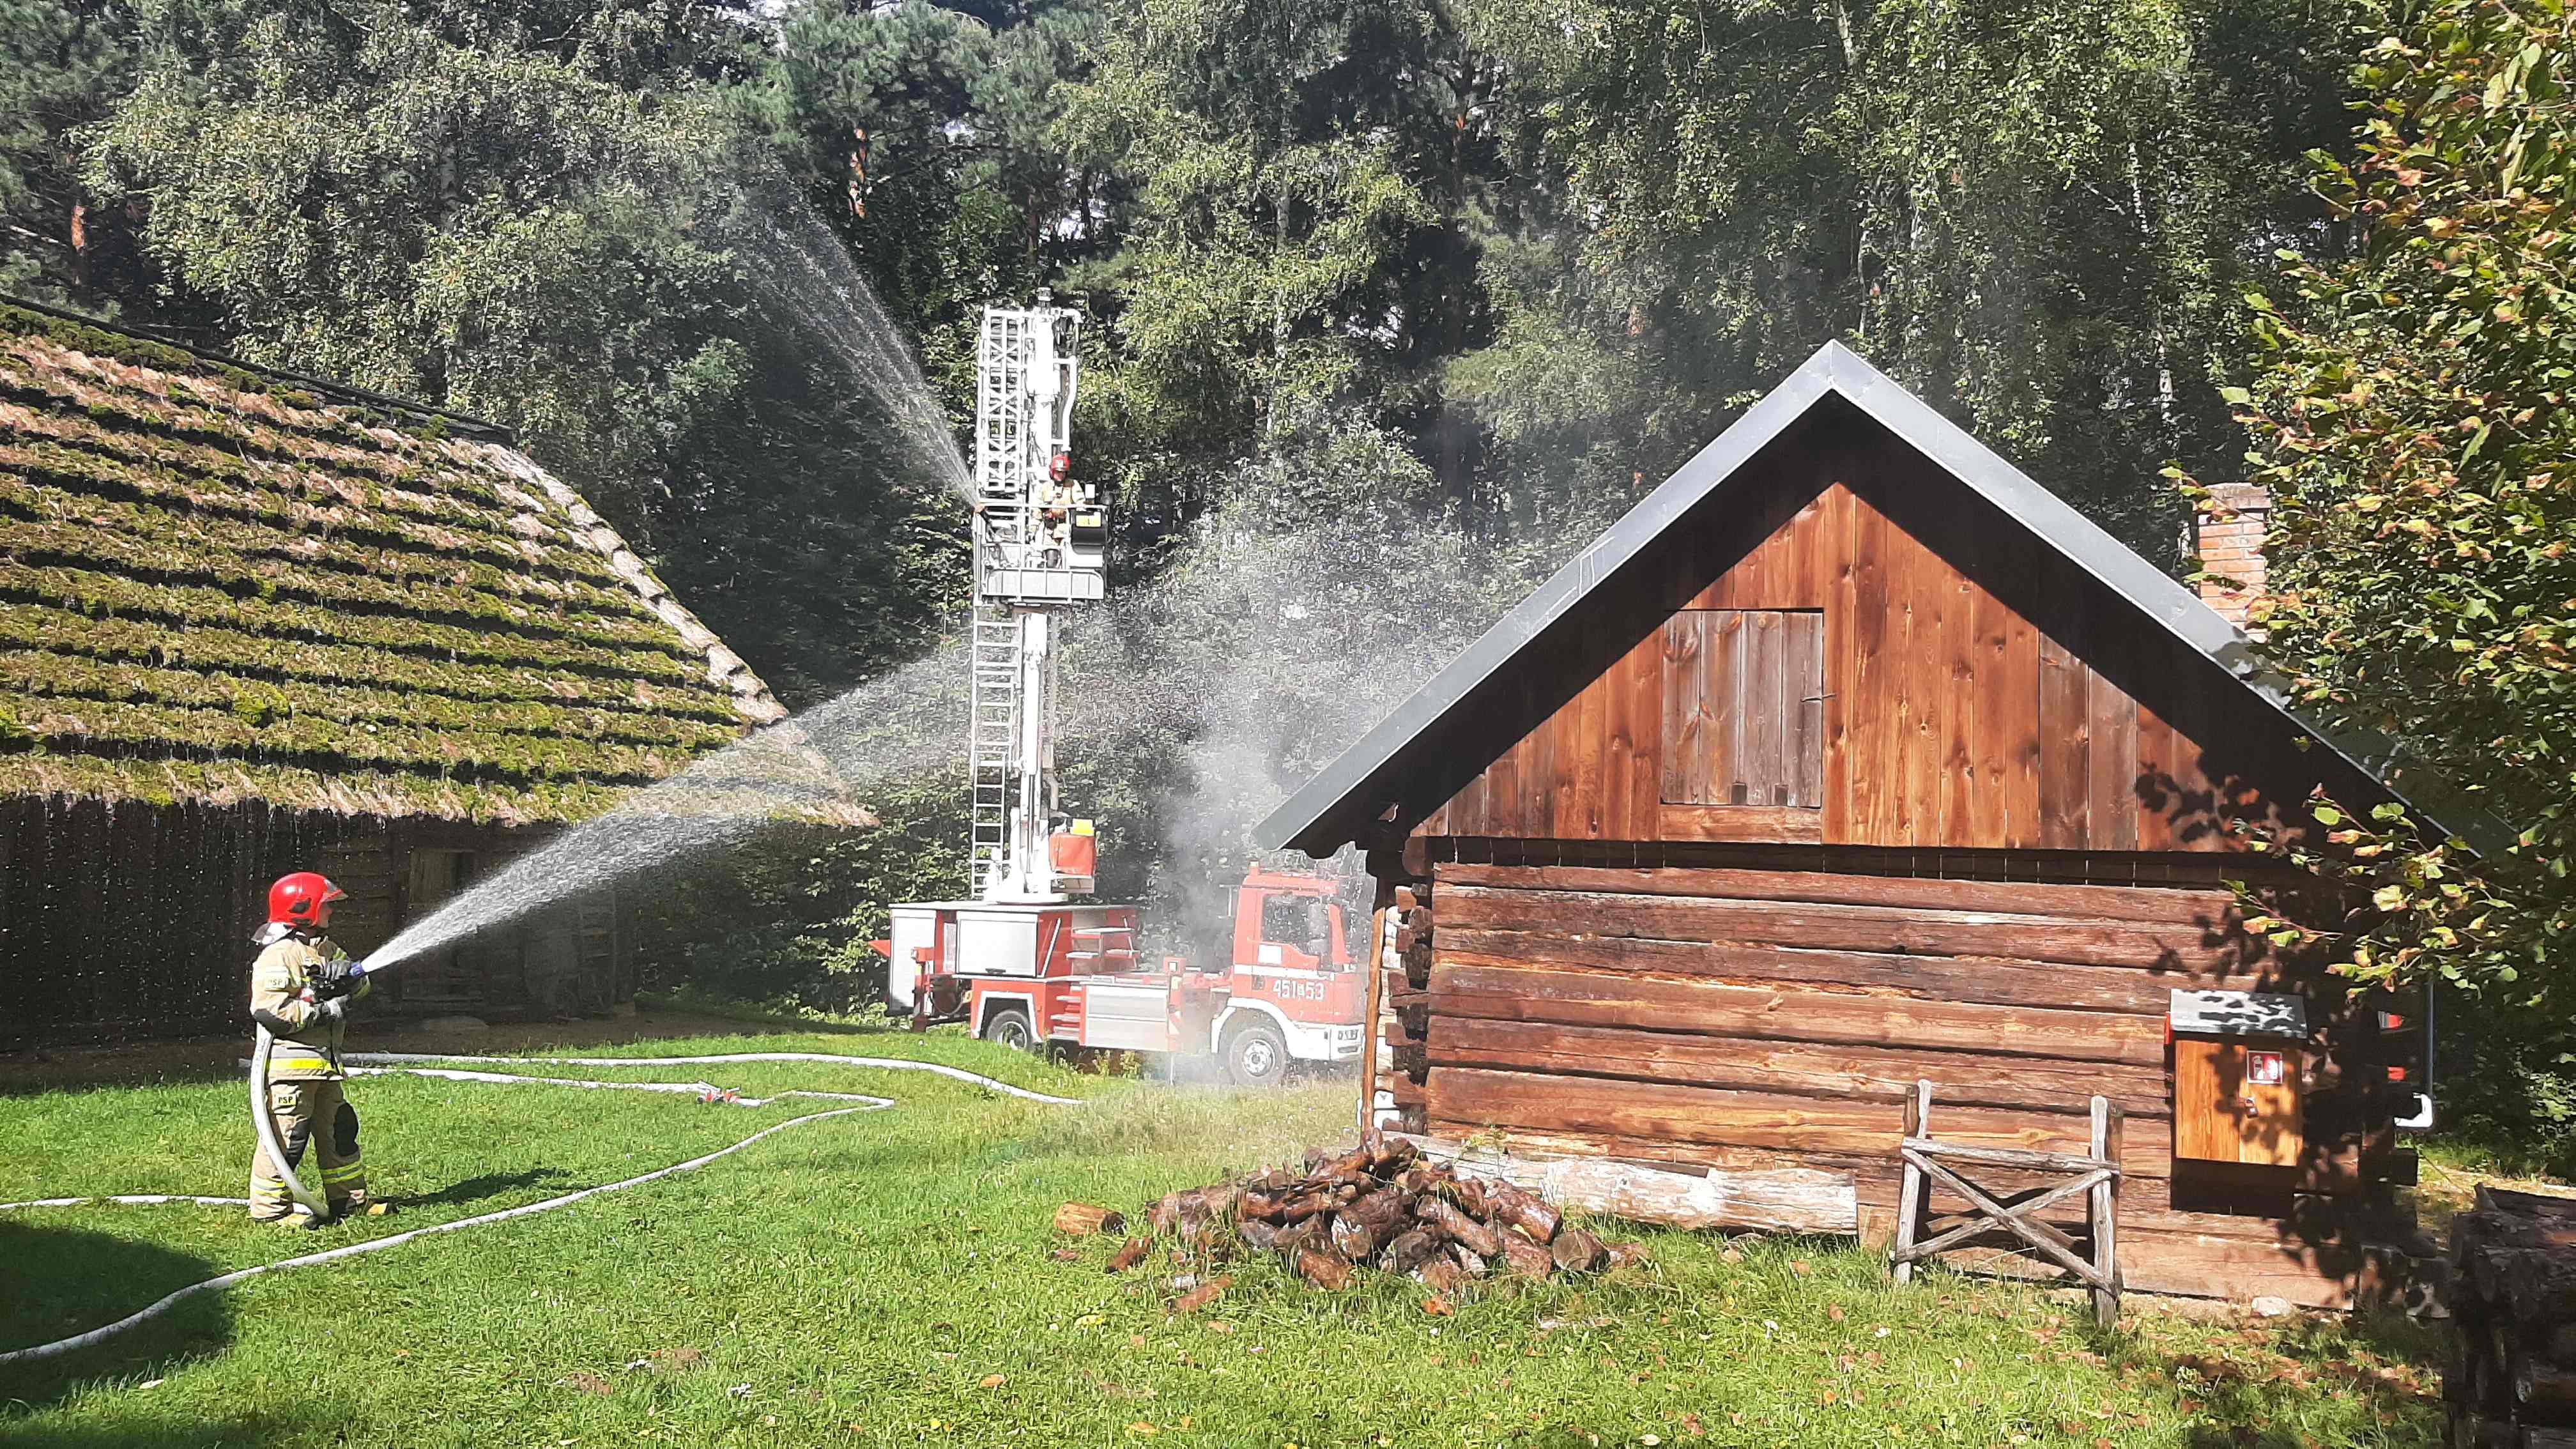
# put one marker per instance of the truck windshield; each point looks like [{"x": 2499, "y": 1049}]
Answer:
[{"x": 1294, "y": 921}]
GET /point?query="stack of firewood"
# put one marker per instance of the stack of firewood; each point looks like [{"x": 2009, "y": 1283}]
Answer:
[
  {"x": 1379, "y": 1205},
  {"x": 2512, "y": 1379}
]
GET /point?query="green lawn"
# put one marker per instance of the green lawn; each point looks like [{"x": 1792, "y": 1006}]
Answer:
[{"x": 889, "y": 1278}]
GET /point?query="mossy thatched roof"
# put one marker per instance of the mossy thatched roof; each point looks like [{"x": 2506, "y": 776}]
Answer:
[{"x": 217, "y": 584}]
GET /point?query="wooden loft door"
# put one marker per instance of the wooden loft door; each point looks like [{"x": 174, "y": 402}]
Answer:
[{"x": 1744, "y": 708}]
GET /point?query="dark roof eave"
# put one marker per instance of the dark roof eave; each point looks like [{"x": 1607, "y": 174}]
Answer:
[{"x": 1336, "y": 806}]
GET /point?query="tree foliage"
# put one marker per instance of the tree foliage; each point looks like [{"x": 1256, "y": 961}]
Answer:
[
  {"x": 435, "y": 202},
  {"x": 2031, "y": 211},
  {"x": 2411, "y": 419}
]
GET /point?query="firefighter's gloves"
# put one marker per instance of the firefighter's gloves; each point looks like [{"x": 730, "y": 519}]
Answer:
[
  {"x": 339, "y": 981},
  {"x": 331, "y": 1008}
]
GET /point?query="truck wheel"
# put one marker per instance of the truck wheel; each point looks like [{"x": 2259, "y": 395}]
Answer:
[
  {"x": 1009, "y": 1026},
  {"x": 1256, "y": 1055}
]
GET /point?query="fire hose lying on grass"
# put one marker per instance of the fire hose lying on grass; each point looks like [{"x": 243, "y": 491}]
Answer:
[{"x": 400, "y": 1063}]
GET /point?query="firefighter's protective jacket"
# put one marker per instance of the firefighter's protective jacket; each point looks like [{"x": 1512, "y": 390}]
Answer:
[{"x": 309, "y": 1049}]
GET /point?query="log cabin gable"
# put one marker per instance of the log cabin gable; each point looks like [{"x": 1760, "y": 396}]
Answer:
[
  {"x": 1998, "y": 670},
  {"x": 1859, "y": 650}
]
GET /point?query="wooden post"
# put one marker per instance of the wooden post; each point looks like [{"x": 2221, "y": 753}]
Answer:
[
  {"x": 2106, "y": 1213},
  {"x": 1376, "y": 1000},
  {"x": 1909, "y": 1198}
]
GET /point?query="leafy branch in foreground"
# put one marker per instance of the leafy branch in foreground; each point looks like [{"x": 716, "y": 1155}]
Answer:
[{"x": 2410, "y": 418}]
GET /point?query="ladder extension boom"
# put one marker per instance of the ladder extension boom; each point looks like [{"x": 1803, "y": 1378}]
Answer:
[{"x": 1041, "y": 542}]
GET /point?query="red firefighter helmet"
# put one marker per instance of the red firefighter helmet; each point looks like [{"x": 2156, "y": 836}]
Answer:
[
  {"x": 1060, "y": 467},
  {"x": 298, "y": 899}
]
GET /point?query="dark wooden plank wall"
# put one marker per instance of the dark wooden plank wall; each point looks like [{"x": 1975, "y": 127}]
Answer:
[
  {"x": 135, "y": 921},
  {"x": 1952, "y": 717},
  {"x": 1746, "y": 1018}
]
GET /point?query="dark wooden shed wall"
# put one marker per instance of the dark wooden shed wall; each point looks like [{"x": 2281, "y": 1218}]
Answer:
[
  {"x": 1980, "y": 691},
  {"x": 134, "y": 921}
]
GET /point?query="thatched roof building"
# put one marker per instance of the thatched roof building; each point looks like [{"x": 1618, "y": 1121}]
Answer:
[{"x": 250, "y": 623}]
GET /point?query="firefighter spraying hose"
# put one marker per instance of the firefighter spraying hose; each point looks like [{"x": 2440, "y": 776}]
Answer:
[{"x": 299, "y": 994}]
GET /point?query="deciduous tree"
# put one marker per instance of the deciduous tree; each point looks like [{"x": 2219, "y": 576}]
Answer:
[{"x": 2411, "y": 417}]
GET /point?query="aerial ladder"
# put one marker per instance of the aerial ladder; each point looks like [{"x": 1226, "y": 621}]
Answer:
[
  {"x": 1023, "y": 961},
  {"x": 1041, "y": 543}
]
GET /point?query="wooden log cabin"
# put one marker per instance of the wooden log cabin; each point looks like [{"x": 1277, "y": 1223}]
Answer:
[
  {"x": 1852, "y": 758},
  {"x": 252, "y": 623}
]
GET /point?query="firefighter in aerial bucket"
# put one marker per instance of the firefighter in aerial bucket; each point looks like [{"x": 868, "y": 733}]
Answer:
[{"x": 300, "y": 989}]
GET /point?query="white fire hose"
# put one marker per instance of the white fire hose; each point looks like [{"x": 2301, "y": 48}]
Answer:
[
  {"x": 265, "y": 1123},
  {"x": 403, "y": 1062}
]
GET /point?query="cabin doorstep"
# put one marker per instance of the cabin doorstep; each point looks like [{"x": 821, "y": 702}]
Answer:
[{"x": 1853, "y": 758}]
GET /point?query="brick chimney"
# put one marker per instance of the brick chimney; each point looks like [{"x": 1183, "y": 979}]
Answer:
[{"x": 2227, "y": 537}]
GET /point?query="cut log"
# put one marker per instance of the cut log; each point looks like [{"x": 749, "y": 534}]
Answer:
[
  {"x": 1379, "y": 1210},
  {"x": 1452, "y": 1222},
  {"x": 1204, "y": 1233},
  {"x": 1257, "y": 1235},
  {"x": 1525, "y": 1259},
  {"x": 1410, "y": 1250},
  {"x": 1082, "y": 1219},
  {"x": 1303, "y": 1206},
  {"x": 1440, "y": 1273},
  {"x": 1201, "y": 1296},
  {"x": 1354, "y": 1239},
  {"x": 1298, "y": 1235},
  {"x": 1469, "y": 1263},
  {"x": 1626, "y": 1255},
  {"x": 2543, "y": 1390},
  {"x": 1389, "y": 1155},
  {"x": 1130, "y": 1255},
  {"x": 1577, "y": 1251},
  {"x": 1323, "y": 1267},
  {"x": 1534, "y": 1217},
  {"x": 1791, "y": 1200},
  {"x": 1350, "y": 1166}
]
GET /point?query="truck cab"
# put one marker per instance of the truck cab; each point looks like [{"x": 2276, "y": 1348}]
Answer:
[
  {"x": 1289, "y": 920},
  {"x": 1296, "y": 992}
]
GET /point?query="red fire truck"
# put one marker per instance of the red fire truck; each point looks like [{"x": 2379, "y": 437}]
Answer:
[
  {"x": 1290, "y": 990},
  {"x": 1027, "y": 961}
]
